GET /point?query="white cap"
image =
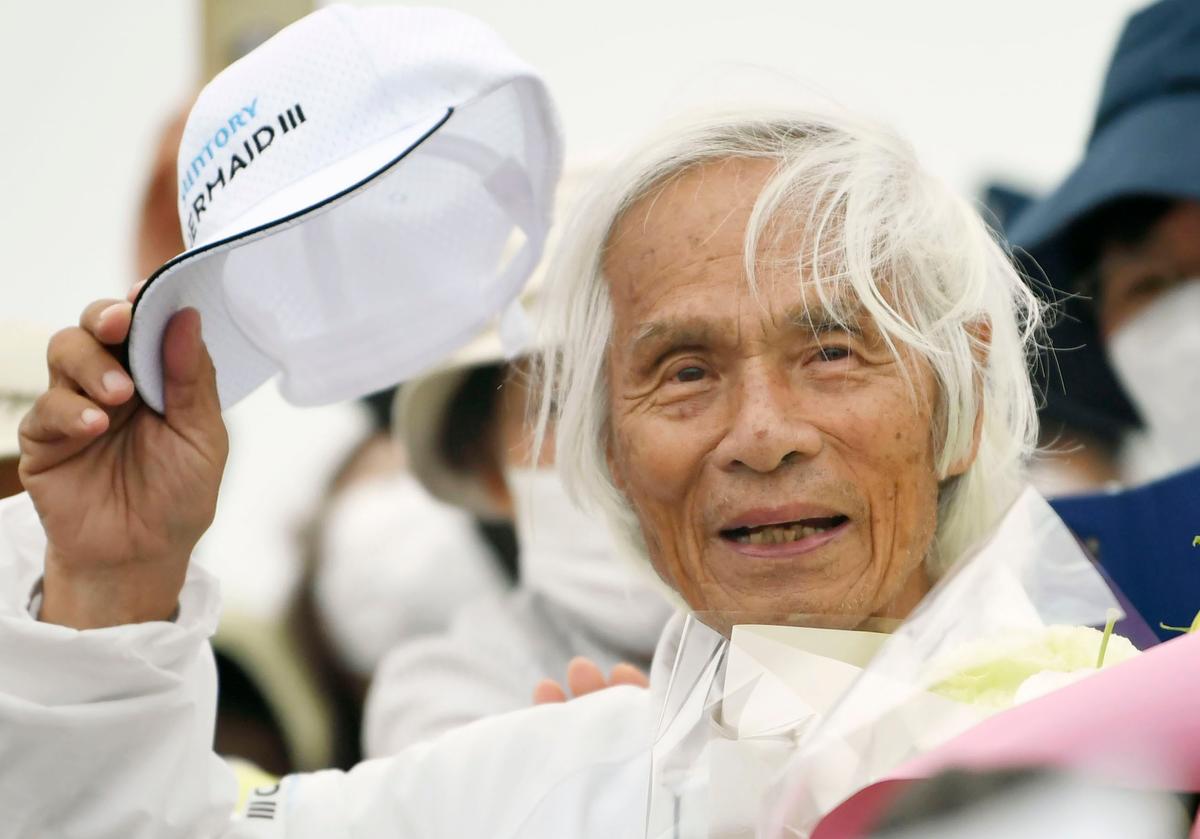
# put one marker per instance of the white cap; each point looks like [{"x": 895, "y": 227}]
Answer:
[
  {"x": 347, "y": 191},
  {"x": 420, "y": 406}
]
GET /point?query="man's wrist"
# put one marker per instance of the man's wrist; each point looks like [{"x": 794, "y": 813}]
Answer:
[{"x": 107, "y": 596}]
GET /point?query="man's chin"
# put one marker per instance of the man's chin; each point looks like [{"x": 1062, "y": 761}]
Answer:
[
  {"x": 798, "y": 596},
  {"x": 723, "y": 621}
]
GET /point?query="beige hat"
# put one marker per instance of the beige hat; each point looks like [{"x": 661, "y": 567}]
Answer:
[
  {"x": 23, "y": 377},
  {"x": 420, "y": 410},
  {"x": 420, "y": 404}
]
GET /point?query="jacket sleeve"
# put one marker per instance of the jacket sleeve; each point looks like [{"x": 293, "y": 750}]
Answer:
[
  {"x": 107, "y": 734},
  {"x": 485, "y": 664}
]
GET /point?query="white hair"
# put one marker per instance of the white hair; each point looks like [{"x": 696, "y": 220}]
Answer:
[{"x": 880, "y": 235}]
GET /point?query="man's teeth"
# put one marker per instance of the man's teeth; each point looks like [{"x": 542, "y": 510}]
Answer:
[{"x": 777, "y": 534}]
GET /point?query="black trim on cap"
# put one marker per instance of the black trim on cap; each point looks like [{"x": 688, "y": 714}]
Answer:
[{"x": 187, "y": 256}]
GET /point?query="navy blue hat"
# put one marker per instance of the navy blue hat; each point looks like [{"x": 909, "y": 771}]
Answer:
[{"x": 1146, "y": 137}]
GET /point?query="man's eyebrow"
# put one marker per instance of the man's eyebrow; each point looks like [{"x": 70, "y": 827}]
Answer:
[
  {"x": 820, "y": 322},
  {"x": 695, "y": 332},
  {"x": 672, "y": 333}
]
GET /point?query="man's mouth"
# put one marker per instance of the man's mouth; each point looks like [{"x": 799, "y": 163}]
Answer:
[{"x": 783, "y": 532}]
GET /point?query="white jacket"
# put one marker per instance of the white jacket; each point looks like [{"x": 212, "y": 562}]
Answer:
[
  {"x": 576, "y": 596},
  {"x": 395, "y": 564},
  {"x": 488, "y": 662},
  {"x": 106, "y": 734}
]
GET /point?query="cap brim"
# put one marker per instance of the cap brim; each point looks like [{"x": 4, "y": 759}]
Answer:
[
  {"x": 194, "y": 279},
  {"x": 1146, "y": 151}
]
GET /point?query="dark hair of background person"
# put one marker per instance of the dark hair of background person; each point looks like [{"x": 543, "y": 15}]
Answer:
[
  {"x": 1125, "y": 221},
  {"x": 1076, "y": 385},
  {"x": 467, "y": 442},
  {"x": 1078, "y": 393},
  {"x": 467, "y": 437},
  {"x": 1081, "y": 391}
]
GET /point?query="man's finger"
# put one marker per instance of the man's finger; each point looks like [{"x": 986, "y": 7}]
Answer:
[
  {"x": 189, "y": 380},
  {"x": 60, "y": 425},
  {"x": 78, "y": 360},
  {"x": 627, "y": 674},
  {"x": 547, "y": 691},
  {"x": 107, "y": 320},
  {"x": 584, "y": 677},
  {"x": 135, "y": 290}
]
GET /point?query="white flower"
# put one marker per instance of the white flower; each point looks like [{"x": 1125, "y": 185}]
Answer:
[{"x": 998, "y": 673}]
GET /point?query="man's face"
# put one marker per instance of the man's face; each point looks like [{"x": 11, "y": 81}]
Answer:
[
  {"x": 777, "y": 467},
  {"x": 1134, "y": 275}
]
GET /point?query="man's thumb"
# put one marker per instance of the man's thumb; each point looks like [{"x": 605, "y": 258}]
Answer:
[{"x": 189, "y": 379}]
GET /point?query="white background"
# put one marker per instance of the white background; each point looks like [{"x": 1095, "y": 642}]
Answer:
[{"x": 983, "y": 89}]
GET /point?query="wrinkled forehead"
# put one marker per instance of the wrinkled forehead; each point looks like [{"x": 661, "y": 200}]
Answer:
[
  {"x": 680, "y": 252},
  {"x": 702, "y": 211}
]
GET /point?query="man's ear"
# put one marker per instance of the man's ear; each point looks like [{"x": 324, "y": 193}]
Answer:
[{"x": 980, "y": 333}]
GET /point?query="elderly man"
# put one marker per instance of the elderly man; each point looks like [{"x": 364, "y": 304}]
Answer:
[{"x": 790, "y": 370}]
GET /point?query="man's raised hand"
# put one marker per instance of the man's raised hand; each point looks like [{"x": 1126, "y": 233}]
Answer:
[{"x": 123, "y": 493}]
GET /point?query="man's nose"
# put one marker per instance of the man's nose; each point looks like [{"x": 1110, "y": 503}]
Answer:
[{"x": 767, "y": 426}]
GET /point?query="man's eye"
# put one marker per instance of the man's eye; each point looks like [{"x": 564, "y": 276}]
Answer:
[
  {"x": 689, "y": 374},
  {"x": 833, "y": 353}
]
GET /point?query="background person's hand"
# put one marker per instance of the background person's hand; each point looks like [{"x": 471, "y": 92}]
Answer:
[
  {"x": 584, "y": 677},
  {"x": 123, "y": 493}
]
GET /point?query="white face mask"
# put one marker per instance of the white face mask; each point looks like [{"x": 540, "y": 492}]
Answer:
[
  {"x": 1157, "y": 358},
  {"x": 397, "y": 564},
  {"x": 572, "y": 559}
]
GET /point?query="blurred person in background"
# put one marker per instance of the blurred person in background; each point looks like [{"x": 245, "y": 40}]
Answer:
[
  {"x": 1120, "y": 239},
  {"x": 389, "y": 565},
  {"x": 470, "y": 443}
]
